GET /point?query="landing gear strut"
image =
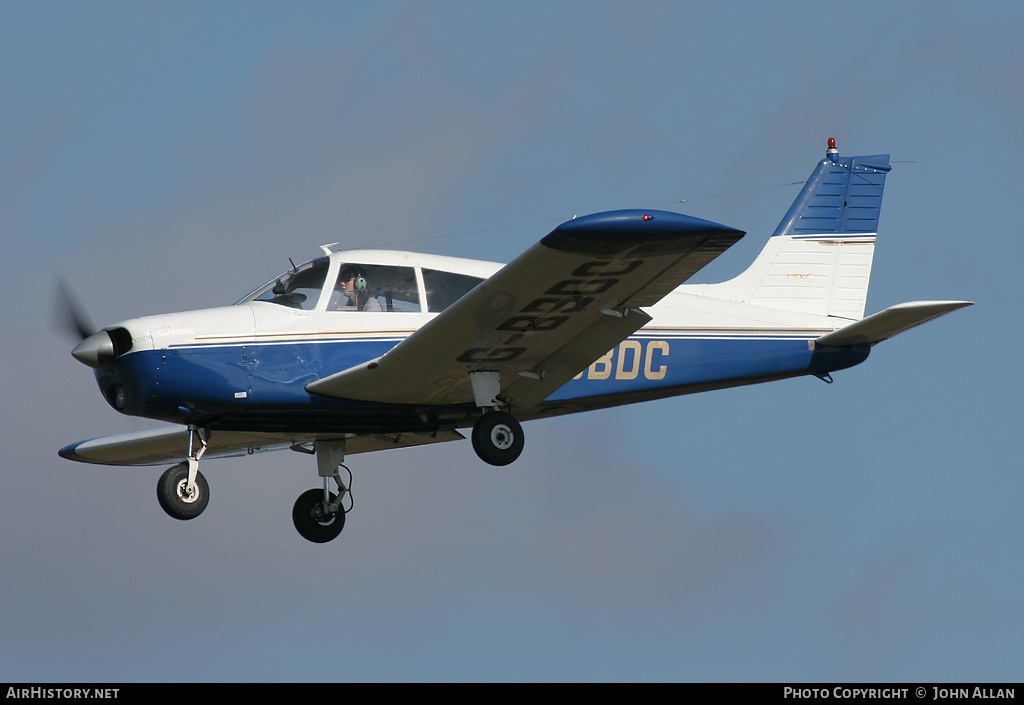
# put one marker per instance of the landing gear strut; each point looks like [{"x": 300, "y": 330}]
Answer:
[
  {"x": 497, "y": 436},
  {"x": 319, "y": 514},
  {"x": 182, "y": 490}
]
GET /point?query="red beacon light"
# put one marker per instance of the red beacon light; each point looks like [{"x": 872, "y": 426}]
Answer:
[{"x": 832, "y": 151}]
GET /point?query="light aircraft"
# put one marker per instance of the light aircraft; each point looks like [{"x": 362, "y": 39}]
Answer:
[{"x": 367, "y": 350}]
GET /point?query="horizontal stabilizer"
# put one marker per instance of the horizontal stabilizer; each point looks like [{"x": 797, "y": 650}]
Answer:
[{"x": 892, "y": 321}]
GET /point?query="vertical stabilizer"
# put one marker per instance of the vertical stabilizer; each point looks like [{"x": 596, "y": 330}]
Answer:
[{"x": 819, "y": 258}]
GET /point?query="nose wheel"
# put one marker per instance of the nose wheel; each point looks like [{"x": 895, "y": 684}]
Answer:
[
  {"x": 180, "y": 499},
  {"x": 182, "y": 490},
  {"x": 497, "y": 438}
]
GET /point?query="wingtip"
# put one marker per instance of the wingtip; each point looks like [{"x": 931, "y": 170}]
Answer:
[
  {"x": 68, "y": 452},
  {"x": 636, "y": 231}
]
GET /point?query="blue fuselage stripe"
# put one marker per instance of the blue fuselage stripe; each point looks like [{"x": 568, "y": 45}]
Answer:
[{"x": 223, "y": 379}]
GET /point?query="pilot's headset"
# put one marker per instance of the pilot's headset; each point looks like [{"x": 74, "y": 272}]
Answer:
[{"x": 360, "y": 279}]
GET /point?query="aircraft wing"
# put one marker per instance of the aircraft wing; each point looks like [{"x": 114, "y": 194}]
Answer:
[
  {"x": 543, "y": 318},
  {"x": 892, "y": 321},
  {"x": 168, "y": 445}
]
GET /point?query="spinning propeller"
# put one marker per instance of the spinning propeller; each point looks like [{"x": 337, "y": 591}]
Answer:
[
  {"x": 97, "y": 349},
  {"x": 68, "y": 313}
]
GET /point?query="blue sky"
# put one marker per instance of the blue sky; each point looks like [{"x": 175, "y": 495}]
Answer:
[{"x": 169, "y": 156}]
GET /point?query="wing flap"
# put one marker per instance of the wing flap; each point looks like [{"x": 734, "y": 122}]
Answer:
[
  {"x": 890, "y": 322},
  {"x": 544, "y": 317}
]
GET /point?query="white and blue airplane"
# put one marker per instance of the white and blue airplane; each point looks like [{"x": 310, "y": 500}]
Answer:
[{"x": 367, "y": 350}]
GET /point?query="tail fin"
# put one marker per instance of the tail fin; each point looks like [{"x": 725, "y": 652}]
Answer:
[{"x": 819, "y": 258}]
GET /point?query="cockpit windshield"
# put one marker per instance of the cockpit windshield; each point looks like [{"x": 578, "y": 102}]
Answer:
[{"x": 299, "y": 287}]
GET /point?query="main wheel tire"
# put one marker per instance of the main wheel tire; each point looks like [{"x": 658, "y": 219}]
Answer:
[
  {"x": 174, "y": 497},
  {"x": 497, "y": 438},
  {"x": 310, "y": 520}
]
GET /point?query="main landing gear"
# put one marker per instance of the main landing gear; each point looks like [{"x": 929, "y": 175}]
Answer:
[
  {"x": 313, "y": 517},
  {"x": 319, "y": 514},
  {"x": 497, "y": 436}
]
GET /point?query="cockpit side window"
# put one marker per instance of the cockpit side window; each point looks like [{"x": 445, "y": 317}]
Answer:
[
  {"x": 445, "y": 288},
  {"x": 298, "y": 288},
  {"x": 375, "y": 287}
]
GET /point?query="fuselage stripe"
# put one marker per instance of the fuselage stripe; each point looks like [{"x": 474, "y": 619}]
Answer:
[{"x": 393, "y": 336}]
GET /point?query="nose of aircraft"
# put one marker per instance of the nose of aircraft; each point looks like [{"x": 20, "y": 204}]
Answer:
[{"x": 96, "y": 351}]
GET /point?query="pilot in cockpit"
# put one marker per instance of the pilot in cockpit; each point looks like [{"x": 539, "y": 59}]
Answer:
[{"x": 352, "y": 283}]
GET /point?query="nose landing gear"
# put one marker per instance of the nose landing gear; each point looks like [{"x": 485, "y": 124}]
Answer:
[
  {"x": 182, "y": 490},
  {"x": 177, "y": 498}
]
